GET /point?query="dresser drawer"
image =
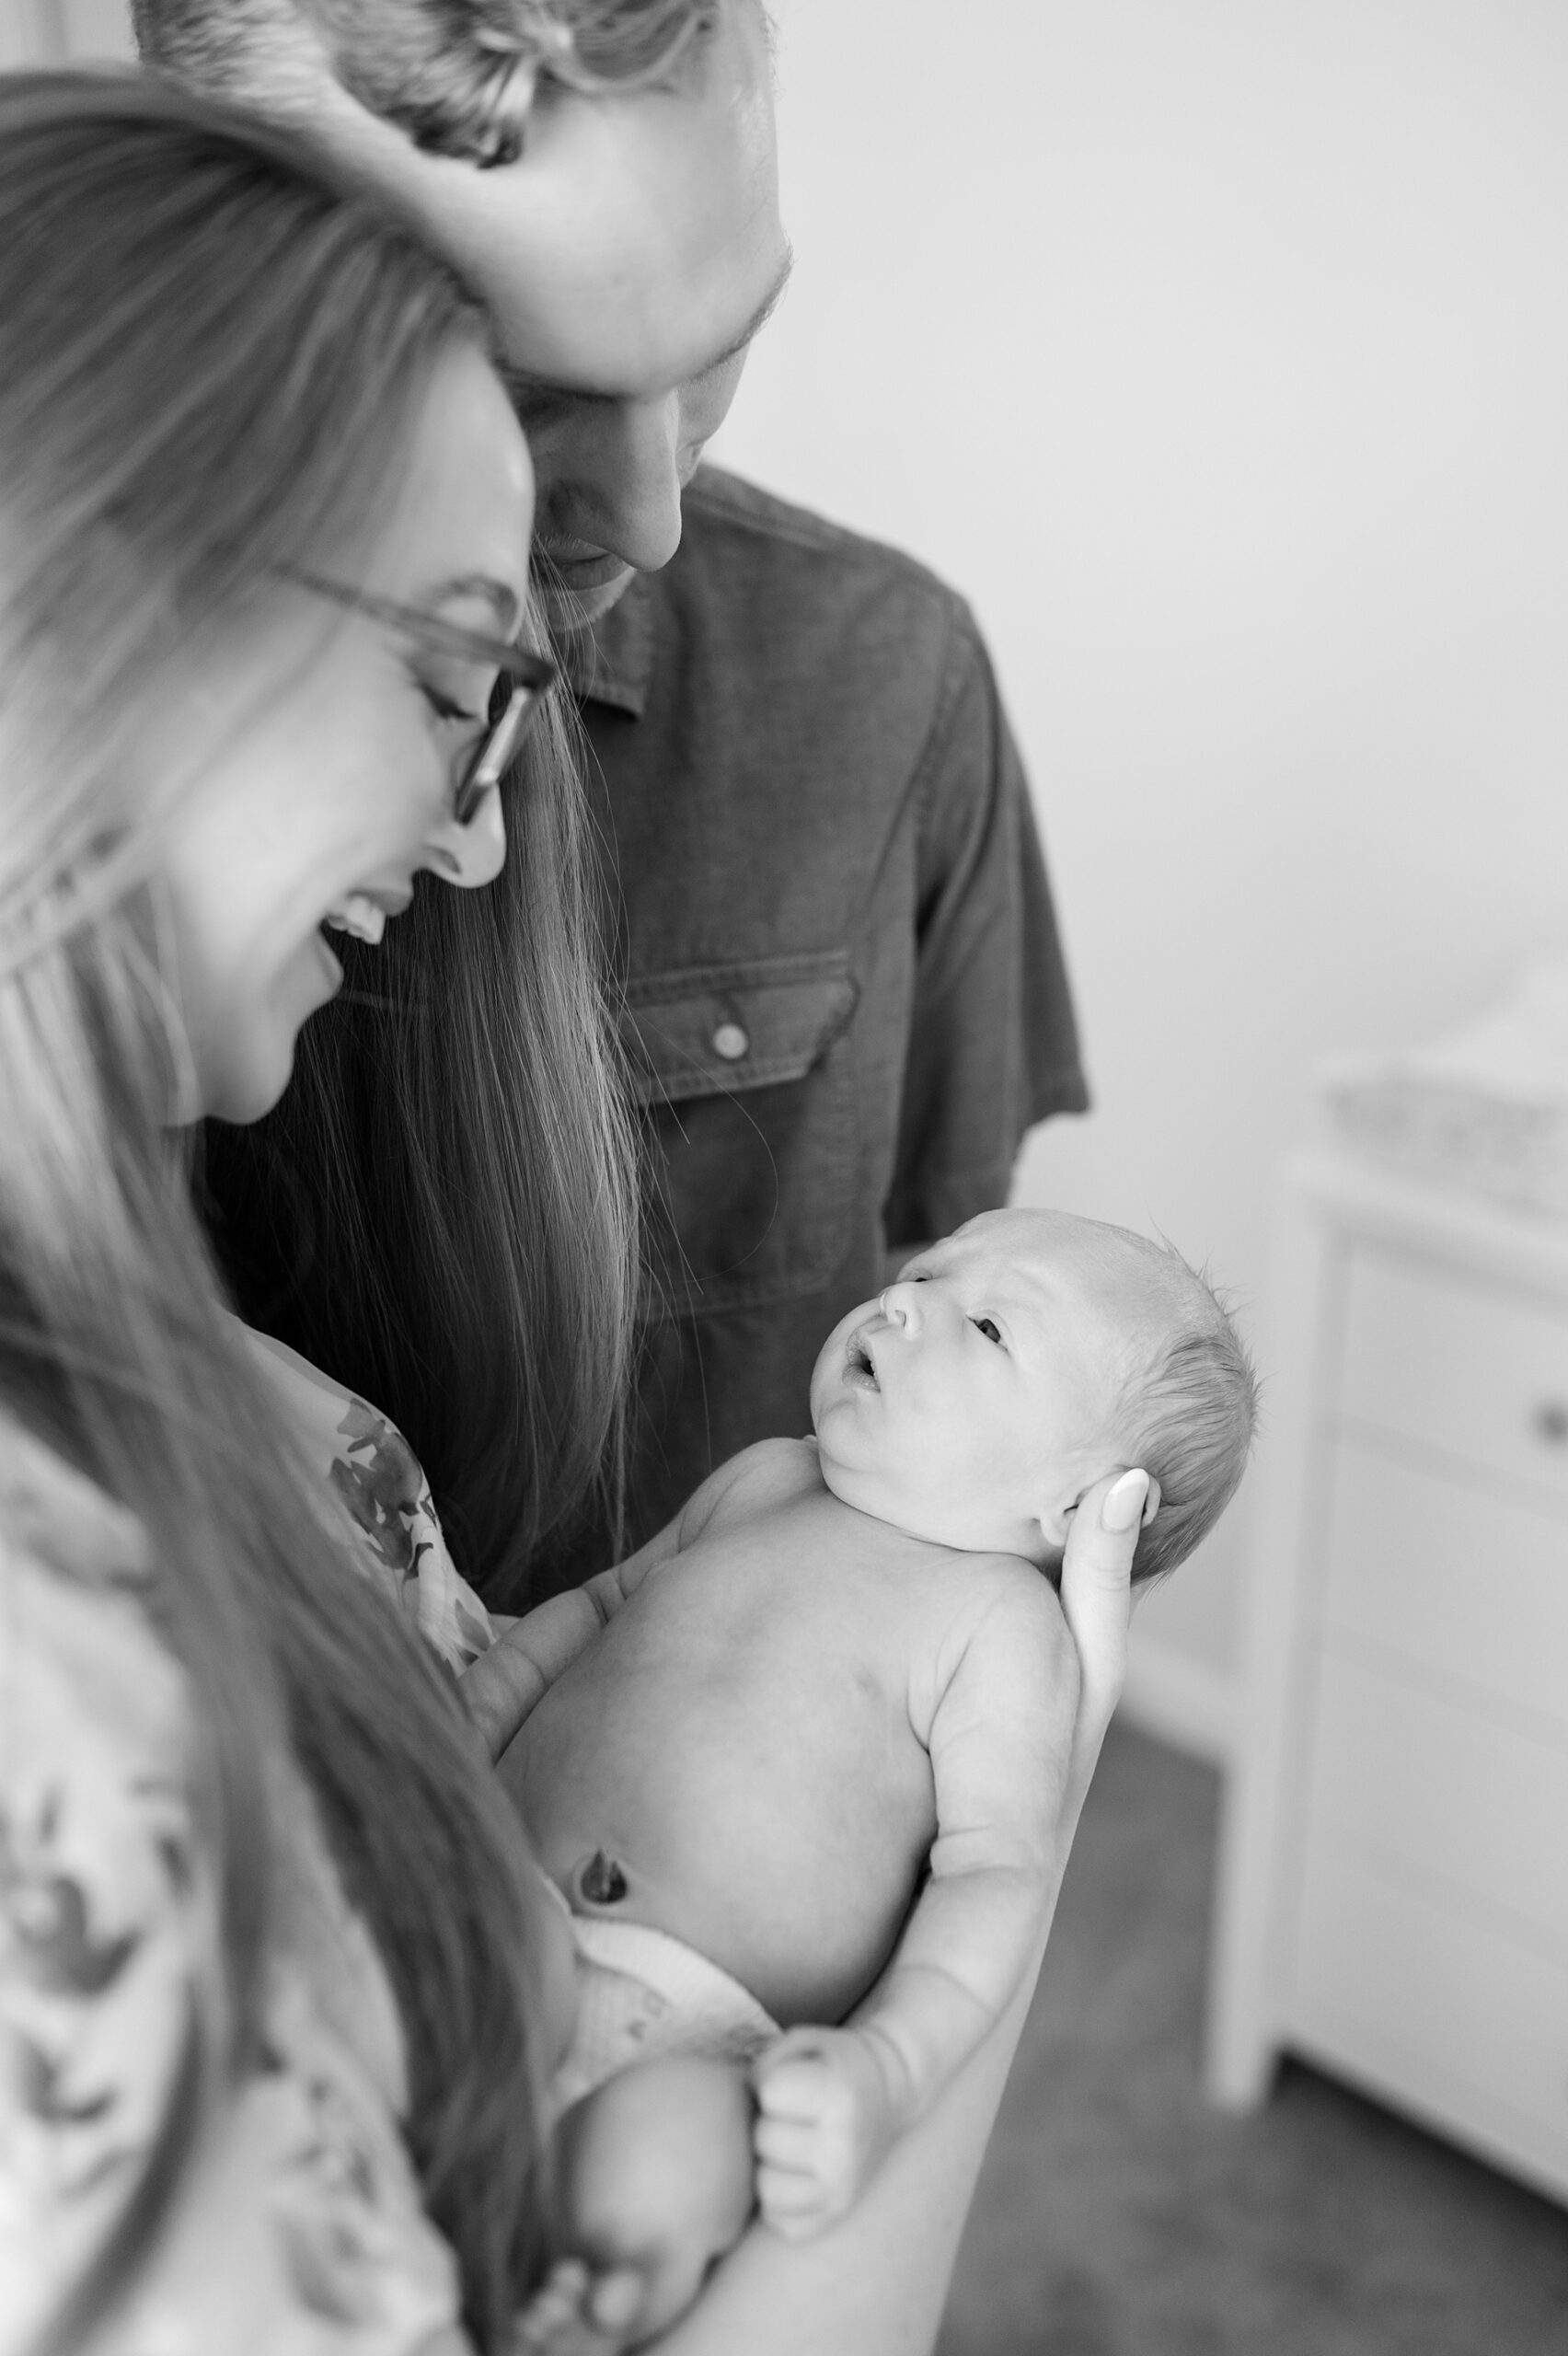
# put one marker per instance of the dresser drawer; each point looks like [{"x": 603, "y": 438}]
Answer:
[
  {"x": 1467, "y": 1587},
  {"x": 1458, "y": 2023},
  {"x": 1406, "y": 1782},
  {"x": 1480, "y": 1373}
]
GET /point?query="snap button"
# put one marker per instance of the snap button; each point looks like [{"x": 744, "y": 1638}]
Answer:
[{"x": 731, "y": 1042}]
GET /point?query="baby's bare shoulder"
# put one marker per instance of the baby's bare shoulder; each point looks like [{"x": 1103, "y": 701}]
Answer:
[
  {"x": 994, "y": 1613},
  {"x": 1003, "y": 1675},
  {"x": 769, "y": 1473},
  {"x": 985, "y": 1587}
]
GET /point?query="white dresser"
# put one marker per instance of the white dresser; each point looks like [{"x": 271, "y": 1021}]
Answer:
[{"x": 1393, "y": 1889}]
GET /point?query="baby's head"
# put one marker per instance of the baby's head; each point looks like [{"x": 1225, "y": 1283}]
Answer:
[{"x": 1016, "y": 1363}]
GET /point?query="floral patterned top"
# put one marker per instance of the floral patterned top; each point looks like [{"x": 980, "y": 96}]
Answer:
[
  {"x": 370, "y": 1467},
  {"x": 300, "y": 2230}
]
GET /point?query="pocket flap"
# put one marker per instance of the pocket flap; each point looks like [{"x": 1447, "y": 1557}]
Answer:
[{"x": 710, "y": 1030}]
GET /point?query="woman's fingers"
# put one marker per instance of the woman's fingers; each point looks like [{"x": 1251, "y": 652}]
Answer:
[{"x": 1096, "y": 1589}]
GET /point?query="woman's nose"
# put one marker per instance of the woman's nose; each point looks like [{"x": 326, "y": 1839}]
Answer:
[{"x": 471, "y": 855}]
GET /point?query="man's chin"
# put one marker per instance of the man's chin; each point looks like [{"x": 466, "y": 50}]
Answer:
[{"x": 569, "y": 607}]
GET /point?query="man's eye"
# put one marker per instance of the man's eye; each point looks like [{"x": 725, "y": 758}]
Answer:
[{"x": 991, "y": 1330}]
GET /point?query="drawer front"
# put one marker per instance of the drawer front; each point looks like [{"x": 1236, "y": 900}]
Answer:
[
  {"x": 1404, "y": 1781},
  {"x": 1477, "y": 1371},
  {"x": 1443, "y": 2015},
  {"x": 1464, "y": 1587}
]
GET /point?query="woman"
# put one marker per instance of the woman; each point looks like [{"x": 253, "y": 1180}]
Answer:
[
  {"x": 235, "y": 414},
  {"x": 272, "y": 1985}
]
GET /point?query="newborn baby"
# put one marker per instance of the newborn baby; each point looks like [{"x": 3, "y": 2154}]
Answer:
[{"x": 797, "y": 1774}]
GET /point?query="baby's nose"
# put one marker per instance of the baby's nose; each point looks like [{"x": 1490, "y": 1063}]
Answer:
[{"x": 900, "y": 1305}]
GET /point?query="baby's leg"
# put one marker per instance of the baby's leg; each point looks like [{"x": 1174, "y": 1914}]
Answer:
[{"x": 653, "y": 2182}]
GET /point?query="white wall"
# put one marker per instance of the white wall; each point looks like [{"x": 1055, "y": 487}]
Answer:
[
  {"x": 1219, "y": 352},
  {"x": 40, "y": 32}
]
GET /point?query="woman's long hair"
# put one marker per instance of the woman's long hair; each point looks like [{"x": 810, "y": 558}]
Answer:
[
  {"x": 428, "y": 1213},
  {"x": 212, "y": 362},
  {"x": 439, "y": 1210}
]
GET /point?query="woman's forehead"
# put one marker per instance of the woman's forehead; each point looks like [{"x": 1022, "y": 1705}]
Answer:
[{"x": 464, "y": 505}]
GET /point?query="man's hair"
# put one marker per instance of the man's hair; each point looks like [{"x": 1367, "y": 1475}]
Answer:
[
  {"x": 1192, "y": 1413},
  {"x": 458, "y": 76}
]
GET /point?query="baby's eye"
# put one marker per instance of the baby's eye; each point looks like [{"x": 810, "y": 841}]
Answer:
[{"x": 988, "y": 1327}]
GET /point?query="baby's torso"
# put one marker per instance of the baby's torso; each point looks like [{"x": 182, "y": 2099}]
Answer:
[{"x": 744, "y": 1743}]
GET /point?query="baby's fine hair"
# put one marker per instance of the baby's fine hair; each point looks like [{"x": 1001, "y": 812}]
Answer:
[{"x": 1191, "y": 1413}]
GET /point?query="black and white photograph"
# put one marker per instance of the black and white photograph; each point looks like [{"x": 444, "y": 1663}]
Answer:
[{"x": 783, "y": 1177}]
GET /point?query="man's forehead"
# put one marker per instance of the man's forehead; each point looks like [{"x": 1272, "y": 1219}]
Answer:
[{"x": 636, "y": 237}]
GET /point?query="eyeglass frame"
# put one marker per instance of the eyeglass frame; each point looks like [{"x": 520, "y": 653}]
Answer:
[{"x": 531, "y": 677}]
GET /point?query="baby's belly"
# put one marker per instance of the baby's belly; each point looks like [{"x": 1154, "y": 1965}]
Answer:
[{"x": 772, "y": 1812}]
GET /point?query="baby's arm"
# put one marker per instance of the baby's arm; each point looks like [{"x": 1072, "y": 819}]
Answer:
[
  {"x": 1001, "y": 1710},
  {"x": 509, "y": 1681}
]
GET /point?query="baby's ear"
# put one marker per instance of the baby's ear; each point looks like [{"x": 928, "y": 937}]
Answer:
[
  {"x": 1151, "y": 1503},
  {"x": 1051, "y": 1526}
]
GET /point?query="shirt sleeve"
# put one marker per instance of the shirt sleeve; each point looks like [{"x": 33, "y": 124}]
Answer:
[
  {"x": 380, "y": 1486},
  {"x": 993, "y": 1040},
  {"x": 298, "y": 2209}
]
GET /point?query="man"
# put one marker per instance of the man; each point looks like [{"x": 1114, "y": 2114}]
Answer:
[{"x": 846, "y": 1000}]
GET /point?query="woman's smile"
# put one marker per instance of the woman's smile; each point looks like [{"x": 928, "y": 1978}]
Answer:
[{"x": 330, "y": 772}]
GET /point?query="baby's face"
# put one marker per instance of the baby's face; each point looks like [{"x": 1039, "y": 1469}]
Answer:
[{"x": 976, "y": 1400}]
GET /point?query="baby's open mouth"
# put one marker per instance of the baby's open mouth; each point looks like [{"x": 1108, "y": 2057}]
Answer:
[{"x": 858, "y": 1367}]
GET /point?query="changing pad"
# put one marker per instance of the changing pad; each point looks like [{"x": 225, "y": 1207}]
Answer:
[{"x": 1483, "y": 1106}]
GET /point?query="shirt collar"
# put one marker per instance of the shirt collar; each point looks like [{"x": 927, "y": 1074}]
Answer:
[{"x": 612, "y": 660}]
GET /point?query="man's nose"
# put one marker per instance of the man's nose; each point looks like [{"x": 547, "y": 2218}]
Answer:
[{"x": 628, "y": 478}]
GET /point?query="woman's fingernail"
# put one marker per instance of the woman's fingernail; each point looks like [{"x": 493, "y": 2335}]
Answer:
[{"x": 1124, "y": 1503}]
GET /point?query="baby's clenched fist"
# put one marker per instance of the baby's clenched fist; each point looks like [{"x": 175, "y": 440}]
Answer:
[{"x": 824, "y": 2119}]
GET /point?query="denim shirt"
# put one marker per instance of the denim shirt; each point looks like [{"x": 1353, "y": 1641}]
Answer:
[{"x": 846, "y": 998}]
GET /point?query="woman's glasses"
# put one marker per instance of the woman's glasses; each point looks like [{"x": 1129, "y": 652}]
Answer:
[{"x": 526, "y": 679}]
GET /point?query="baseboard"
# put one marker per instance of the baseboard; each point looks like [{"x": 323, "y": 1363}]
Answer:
[{"x": 1178, "y": 1700}]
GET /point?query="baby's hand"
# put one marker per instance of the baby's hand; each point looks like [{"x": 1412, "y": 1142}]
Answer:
[{"x": 825, "y": 2121}]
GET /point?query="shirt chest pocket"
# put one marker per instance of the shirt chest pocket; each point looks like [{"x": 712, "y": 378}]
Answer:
[{"x": 744, "y": 1075}]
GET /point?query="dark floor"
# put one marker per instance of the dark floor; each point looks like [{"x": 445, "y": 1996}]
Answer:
[{"x": 1120, "y": 2216}]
